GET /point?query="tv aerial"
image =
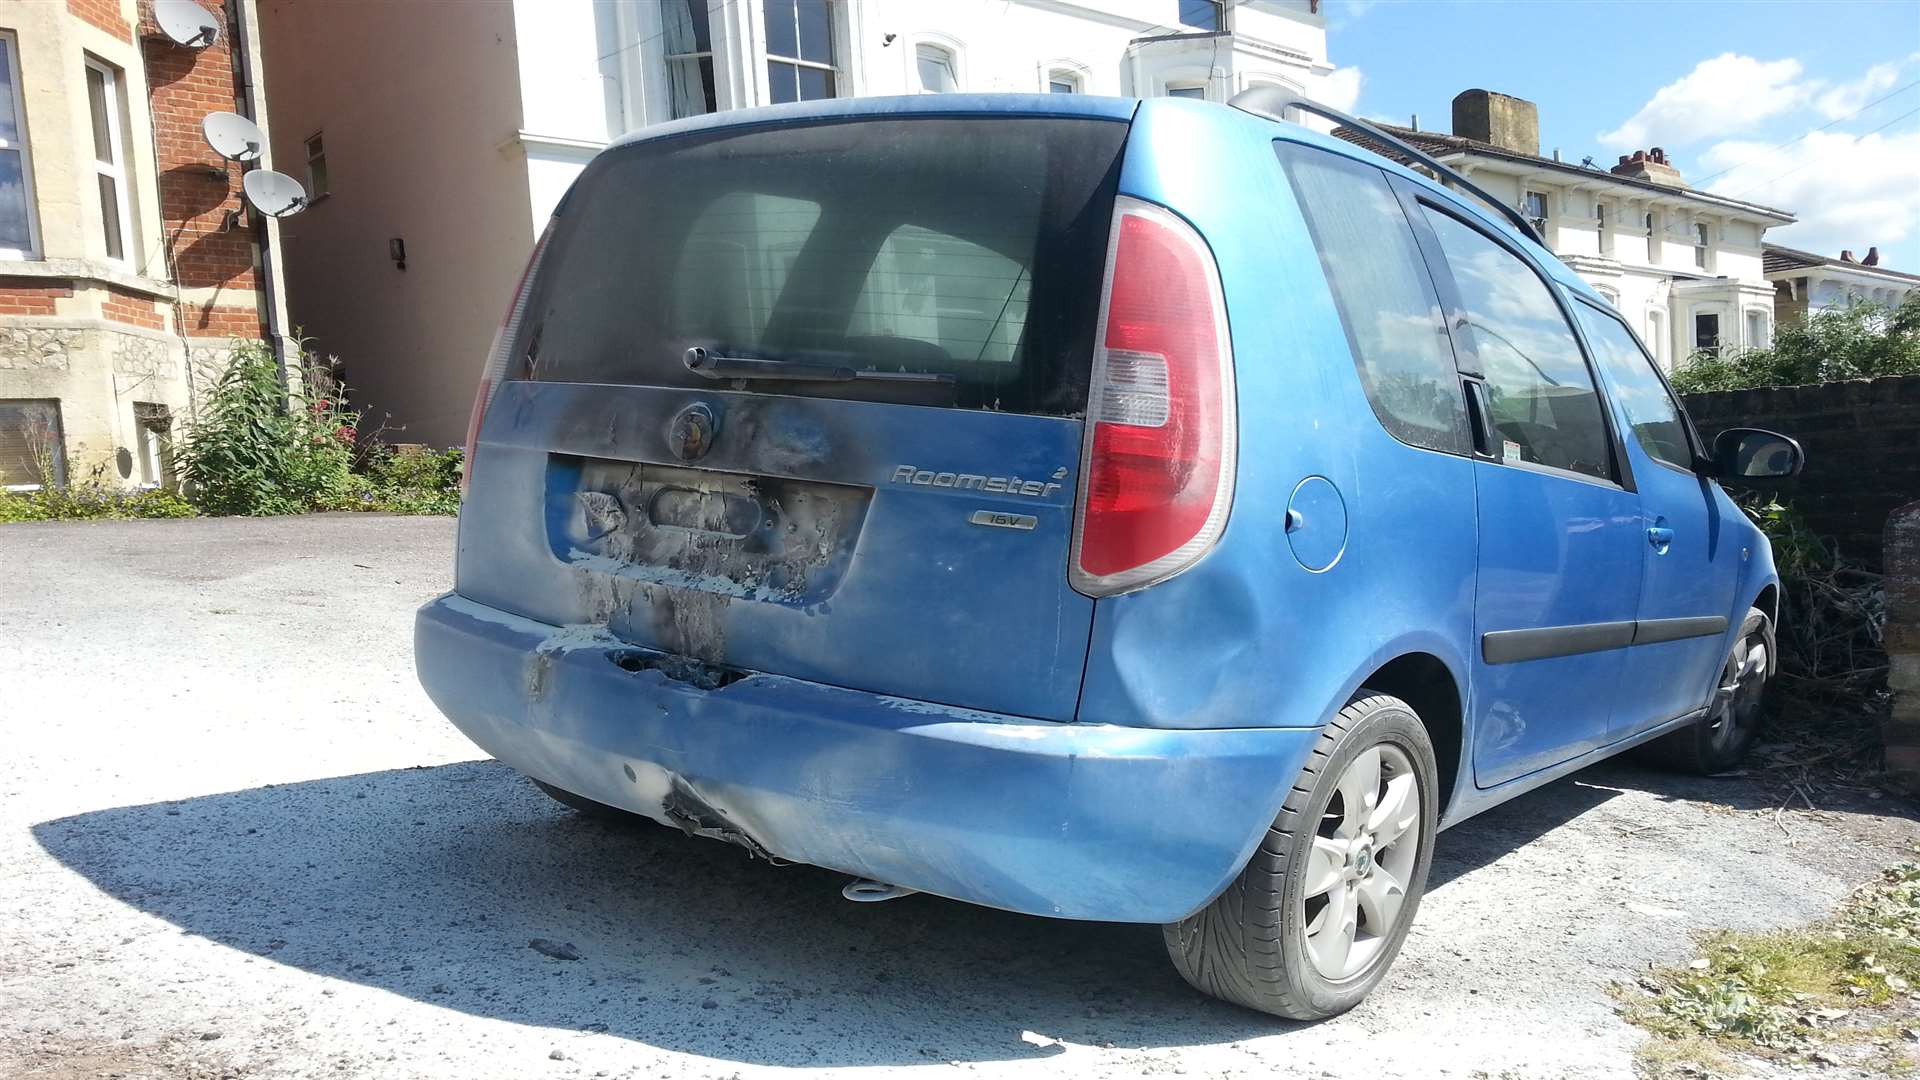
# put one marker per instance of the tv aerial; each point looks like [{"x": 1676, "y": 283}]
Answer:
[
  {"x": 233, "y": 136},
  {"x": 186, "y": 23},
  {"x": 276, "y": 195}
]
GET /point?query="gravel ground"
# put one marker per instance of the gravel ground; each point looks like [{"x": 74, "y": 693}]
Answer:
[{"x": 237, "y": 841}]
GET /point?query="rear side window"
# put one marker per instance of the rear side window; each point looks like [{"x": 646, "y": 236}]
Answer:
[
  {"x": 966, "y": 247},
  {"x": 1545, "y": 409},
  {"x": 1385, "y": 296},
  {"x": 1658, "y": 425}
]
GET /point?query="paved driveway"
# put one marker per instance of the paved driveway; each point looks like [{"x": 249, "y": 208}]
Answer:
[{"x": 236, "y": 840}]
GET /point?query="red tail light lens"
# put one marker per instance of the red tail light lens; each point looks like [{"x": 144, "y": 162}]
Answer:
[
  {"x": 1156, "y": 476},
  {"x": 496, "y": 369}
]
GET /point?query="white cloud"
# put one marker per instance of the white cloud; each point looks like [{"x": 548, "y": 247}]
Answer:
[
  {"x": 1340, "y": 88},
  {"x": 1849, "y": 191},
  {"x": 1725, "y": 95},
  {"x": 1849, "y": 98}
]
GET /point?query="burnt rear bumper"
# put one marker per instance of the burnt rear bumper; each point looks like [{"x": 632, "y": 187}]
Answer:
[{"x": 1082, "y": 821}]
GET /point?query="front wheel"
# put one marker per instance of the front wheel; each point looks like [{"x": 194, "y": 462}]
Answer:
[
  {"x": 1721, "y": 738},
  {"x": 1310, "y": 926}
]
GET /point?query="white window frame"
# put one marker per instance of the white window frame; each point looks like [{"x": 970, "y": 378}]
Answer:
[
  {"x": 113, "y": 88},
  {"x": 315, "y": 189},
  {"x": 673, "y": 59},
  {"x": 1603, "y": 228},
  {"x": 840, "y": 40},
  {"x": 1757, "y": 318},
  {"x": 1066, "y": 77},
  {"x": 1657, "y": 339},
  {"x": 1177, "y": 89},
  {"x": 1655, "y": 239},
  {"x": 1702, "y": 245},
  {"x": 953, "y": 54},
  {"x": 1720, "y": 327},
  {"x": 1527, "y": 197},
  {"x": 32, "y": 250}
]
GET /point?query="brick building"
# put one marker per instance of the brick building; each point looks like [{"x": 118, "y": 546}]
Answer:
[{"x": 128, "y": 260}]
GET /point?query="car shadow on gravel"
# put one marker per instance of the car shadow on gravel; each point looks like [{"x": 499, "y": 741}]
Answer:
[{"x": 436, "y": 884}]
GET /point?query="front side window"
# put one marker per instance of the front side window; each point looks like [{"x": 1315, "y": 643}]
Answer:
[
  {"x": 32, "y": 449},
  {"x": 1384, "y": 295},
  {"x": 17, "y": 226},
  {"x": 1545, "y": 410},
  {"x": 689, "y": 46},
  {"x": 109, "y": 156},
  {"x": 800, "y": 65},
  {"x": 937, "y": 69},
  {"x": 1203, "y": 14},
  {"x": 1652, "y": 414}
]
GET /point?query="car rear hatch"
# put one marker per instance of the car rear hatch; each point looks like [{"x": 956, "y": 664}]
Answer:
[{"x": 807, "y": 398}]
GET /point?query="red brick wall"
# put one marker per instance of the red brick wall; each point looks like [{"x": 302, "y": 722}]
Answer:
[
  {"x": 126, "y": 306},
  {"x": 187, "y": 84},
  {"x": 104, "y": 14},
  {"x": 212, "y": 321},
  {"x": 29, "y": 296}
]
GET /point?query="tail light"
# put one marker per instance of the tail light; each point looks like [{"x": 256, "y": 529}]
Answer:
[
  {"x": 497, "y": 364},
  {"x": 1156, "y": 475}
]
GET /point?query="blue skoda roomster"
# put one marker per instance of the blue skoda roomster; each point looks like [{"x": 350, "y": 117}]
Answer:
[{"x": 1152, "y": 511}]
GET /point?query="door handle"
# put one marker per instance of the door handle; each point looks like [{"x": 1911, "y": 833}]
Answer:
[{"x": 1661, "y": 538}]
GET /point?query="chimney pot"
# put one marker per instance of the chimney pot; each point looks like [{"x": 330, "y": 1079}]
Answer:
[
  {"x": 1846, "y": 255},
  {"x": 1873, "y": 257},
  {"x": 1509, "y": 123},
  {"x": 1649, "y": 165}
]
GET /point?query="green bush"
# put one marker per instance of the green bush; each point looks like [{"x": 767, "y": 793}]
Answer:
[
  {"x": 93, "y": 498},
  {"x": 1856, "y": 342},
  {"x": 406, "y": 481},
  {"x": 262, "y": 448}
]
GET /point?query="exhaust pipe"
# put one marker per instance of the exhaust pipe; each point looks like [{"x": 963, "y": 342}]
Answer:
[{"x": 863, "y": 891}]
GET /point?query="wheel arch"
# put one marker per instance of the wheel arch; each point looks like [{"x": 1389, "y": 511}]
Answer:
[{"x": 1425, "y": 682}]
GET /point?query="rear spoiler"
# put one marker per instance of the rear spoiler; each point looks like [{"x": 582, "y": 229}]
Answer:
[{"x": 1273, "y": 102}]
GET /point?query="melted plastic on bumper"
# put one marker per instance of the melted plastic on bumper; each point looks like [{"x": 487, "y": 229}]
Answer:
[{"x": 1081, "y": 821}]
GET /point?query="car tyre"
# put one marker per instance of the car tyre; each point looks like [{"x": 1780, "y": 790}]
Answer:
[
  {"x": 586, "y": 807},
  {"x": 1312, "y": 923},
  {"x": 1718, "y": 741}
]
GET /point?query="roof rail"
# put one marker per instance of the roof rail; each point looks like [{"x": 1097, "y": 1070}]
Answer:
[{"x": 1273, "y": 102}]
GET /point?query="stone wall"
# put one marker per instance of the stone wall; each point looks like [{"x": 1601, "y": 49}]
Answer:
[
  {"x": 1862, "y": 439},
  {"x": 1902, "y": 727}
]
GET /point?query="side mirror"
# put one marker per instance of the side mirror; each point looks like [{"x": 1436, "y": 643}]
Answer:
[{"x": 1755, "y": 454}]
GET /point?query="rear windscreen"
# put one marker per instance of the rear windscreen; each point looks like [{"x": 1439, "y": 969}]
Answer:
[{"x": 970, "y": 248}]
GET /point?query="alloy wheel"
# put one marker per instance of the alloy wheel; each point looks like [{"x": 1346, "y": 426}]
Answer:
[
  {"x": 1736, "y": 704},
  {"x": 1362, "y": 857}
]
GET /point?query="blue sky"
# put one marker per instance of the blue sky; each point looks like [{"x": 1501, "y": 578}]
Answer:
[{"x": 1718, "y": 83}]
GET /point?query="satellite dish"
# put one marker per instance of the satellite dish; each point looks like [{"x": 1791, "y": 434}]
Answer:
[
  {"x": 274, "y": 194},
  {"x": 233, "y": 136},
  {"x": 186, "y": 23}
]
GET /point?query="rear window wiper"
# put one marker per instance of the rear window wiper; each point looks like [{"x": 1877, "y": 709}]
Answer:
[{"x": 708, "y": 364}]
